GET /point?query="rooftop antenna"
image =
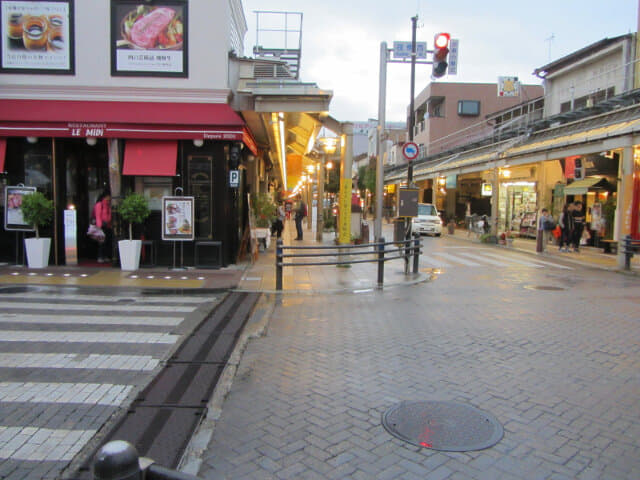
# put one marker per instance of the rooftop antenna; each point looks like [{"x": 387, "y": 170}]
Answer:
[{"x": 550, "y": 40}]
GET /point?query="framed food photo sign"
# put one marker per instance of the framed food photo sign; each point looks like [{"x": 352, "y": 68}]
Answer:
[
  {"x": 149, "y": 38},
  {"x": 37, "y": 37},
  {"x": 13, "y": 218},
  {"x": 177, "y": 218}
]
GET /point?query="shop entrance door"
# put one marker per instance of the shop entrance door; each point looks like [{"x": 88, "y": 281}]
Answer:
[{"x": 84, "y": 176}]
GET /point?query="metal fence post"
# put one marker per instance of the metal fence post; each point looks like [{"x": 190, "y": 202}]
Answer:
[
  {"x": 628, "y": 253},
  {"x": 380, "y": 247},
  {"x": 416, "y": 252},
  {"x": 279, "y": 264}
]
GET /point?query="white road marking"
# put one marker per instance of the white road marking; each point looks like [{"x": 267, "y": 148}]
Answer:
[
  {"x": 110, "y": 299},
  {"x": 86, "y": 337},
  {"x": 537, "y": 263},
  {"x": 453, "y": 258},
  {"x": 434, "y": 262},
  {"x": 91, "y": 361},
  {"x": 91, "y": 307},
  {"x": 43, "y": 392},
  {"x": 41, "y": 444},
  {"x": 92, "y": 319}
]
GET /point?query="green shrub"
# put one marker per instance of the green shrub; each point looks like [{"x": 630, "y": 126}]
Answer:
[
  {"x": 263, "y": 208},
  {"x": 37, "y": 210},
  {"x": 133, "y": 209}
]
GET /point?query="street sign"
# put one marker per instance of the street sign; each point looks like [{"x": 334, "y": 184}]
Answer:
[
  {"x": 403, "y": 50},
  {"x": 410, "y": 151},
  {"x": 234, "y": 178},
  {"x": 453, "y": 57}
]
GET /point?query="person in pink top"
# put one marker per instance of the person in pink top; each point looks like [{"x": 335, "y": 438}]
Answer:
[{"x": 102, "y": 217}]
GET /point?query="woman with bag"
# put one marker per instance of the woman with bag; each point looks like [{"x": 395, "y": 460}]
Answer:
[{"x": 102, "y": 216}]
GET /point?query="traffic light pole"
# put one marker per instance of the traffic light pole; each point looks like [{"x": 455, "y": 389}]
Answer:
[
  {"x": 411, "y": 124},
  {"x": 384, "y": 59}
]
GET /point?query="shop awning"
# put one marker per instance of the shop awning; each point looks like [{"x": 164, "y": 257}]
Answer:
[
  {"x": 138, "y": 120},
  {"x": 3, "y": 148},
  {"x": 581, "y": 187},
  {"x": 150, "y": 158}
]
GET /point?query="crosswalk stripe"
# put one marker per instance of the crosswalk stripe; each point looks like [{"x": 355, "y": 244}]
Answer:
[
  {"x": 479, "y": 257},
  {"x": 89, "y": 393},
  {"x": 86, "y": 337},
  {"x": 536, "y": 263},
  {"x": 92, "y": 319},
  {"x": 91, "y": 307},
  {"x": 454, "y": 258},
  {"x": 91, "y": 361},
  {"x": 42, "y": 444},
  {"x": 434, "y": 262},
  {"x": 110, "y": 299}
]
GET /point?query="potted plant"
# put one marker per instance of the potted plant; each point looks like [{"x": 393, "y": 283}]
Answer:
[
  {"x": 264, "y": 211},
  {"x": 37, "y": 211},
  {"x": 132, "y": 209}
]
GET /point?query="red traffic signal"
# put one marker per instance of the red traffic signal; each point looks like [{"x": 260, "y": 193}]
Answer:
[{"x": 440, "y": 54}]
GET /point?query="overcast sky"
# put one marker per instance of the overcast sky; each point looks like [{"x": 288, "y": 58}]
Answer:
[{"x": 341, "y": 41}]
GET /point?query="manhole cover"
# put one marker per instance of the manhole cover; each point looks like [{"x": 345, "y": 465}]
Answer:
[
  {"x": 543, "y": 287},
  {"x": 445, "y": 426}
]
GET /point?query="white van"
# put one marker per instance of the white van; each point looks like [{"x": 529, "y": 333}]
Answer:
[{"x": 428, "y": 221}]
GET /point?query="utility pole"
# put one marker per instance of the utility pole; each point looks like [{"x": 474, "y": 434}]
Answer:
[{"x": 411, "y": 123}]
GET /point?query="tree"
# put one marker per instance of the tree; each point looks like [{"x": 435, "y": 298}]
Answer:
[
  {"x": 133, "y": 209},
  {"x": 37, "y": 210}
]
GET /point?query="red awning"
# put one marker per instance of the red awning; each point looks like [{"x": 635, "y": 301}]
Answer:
[
  {"x": 3, "y": 148},
  {"x": 138, "y": 120},
  {"x": 150, "y": 157}
]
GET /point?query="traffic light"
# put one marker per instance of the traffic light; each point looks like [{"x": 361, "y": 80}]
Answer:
[
  {"x": 440, "y": 53},
  {"x": 578, "y": 170}
]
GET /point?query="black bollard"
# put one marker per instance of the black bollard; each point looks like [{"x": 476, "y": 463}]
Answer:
[{"x": 117, "y": 460}]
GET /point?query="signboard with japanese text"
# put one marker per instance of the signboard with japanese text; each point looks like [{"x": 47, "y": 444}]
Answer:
[
  {"x": 177, "y": 218},
  {"x": 454, "y": 44},
  {"x": 149, "y": 39},
  {"x": 403, "y": 50},
  {"x": 37, "y": 37},
  {"x": 13, "y": 218}
]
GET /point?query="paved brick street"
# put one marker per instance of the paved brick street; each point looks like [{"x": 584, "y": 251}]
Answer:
[{"x": 553, "y": 353}]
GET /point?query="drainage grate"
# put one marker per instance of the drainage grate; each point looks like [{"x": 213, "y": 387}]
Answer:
[{"x": 444, "y": 426}]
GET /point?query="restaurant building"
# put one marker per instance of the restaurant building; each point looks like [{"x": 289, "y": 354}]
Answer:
[{"x": 129, "y": 96}]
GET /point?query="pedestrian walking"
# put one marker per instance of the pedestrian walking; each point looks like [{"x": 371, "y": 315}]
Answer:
[
  {"x": 578, "y": 221},
  {"x": 300, "y": 213},
  {"x": 565, "y": 221},
  {"x": 278, "y": 222},
  {"x": 545, "y": 225},
  {"x": 101, "y": 215}
]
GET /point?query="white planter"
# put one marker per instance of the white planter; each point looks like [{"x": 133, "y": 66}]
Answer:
[
  {"x": 129, "y": 254},
  {"x": 37, "y": 252}
]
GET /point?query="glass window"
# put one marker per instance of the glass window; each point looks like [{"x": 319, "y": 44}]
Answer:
[{"x": 469, "y": 107}]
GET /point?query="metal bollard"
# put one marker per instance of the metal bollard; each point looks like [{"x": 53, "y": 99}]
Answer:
[
  {"x": 279, "y": 264},
  {"x": 380, "y": 247},
  {"x": 416, "y": 252},
  {"x": 117, "y": 460}
]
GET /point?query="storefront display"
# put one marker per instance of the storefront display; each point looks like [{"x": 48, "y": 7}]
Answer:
[{"x": 518, "y": 208}]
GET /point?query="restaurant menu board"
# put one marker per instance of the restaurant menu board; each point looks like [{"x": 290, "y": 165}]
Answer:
[
  {"x": 177, "y": 218},
  {"x": 37, "y": 36},
  {"x": 149, "y": 39},
  {"x": 13, "y": 219}
]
